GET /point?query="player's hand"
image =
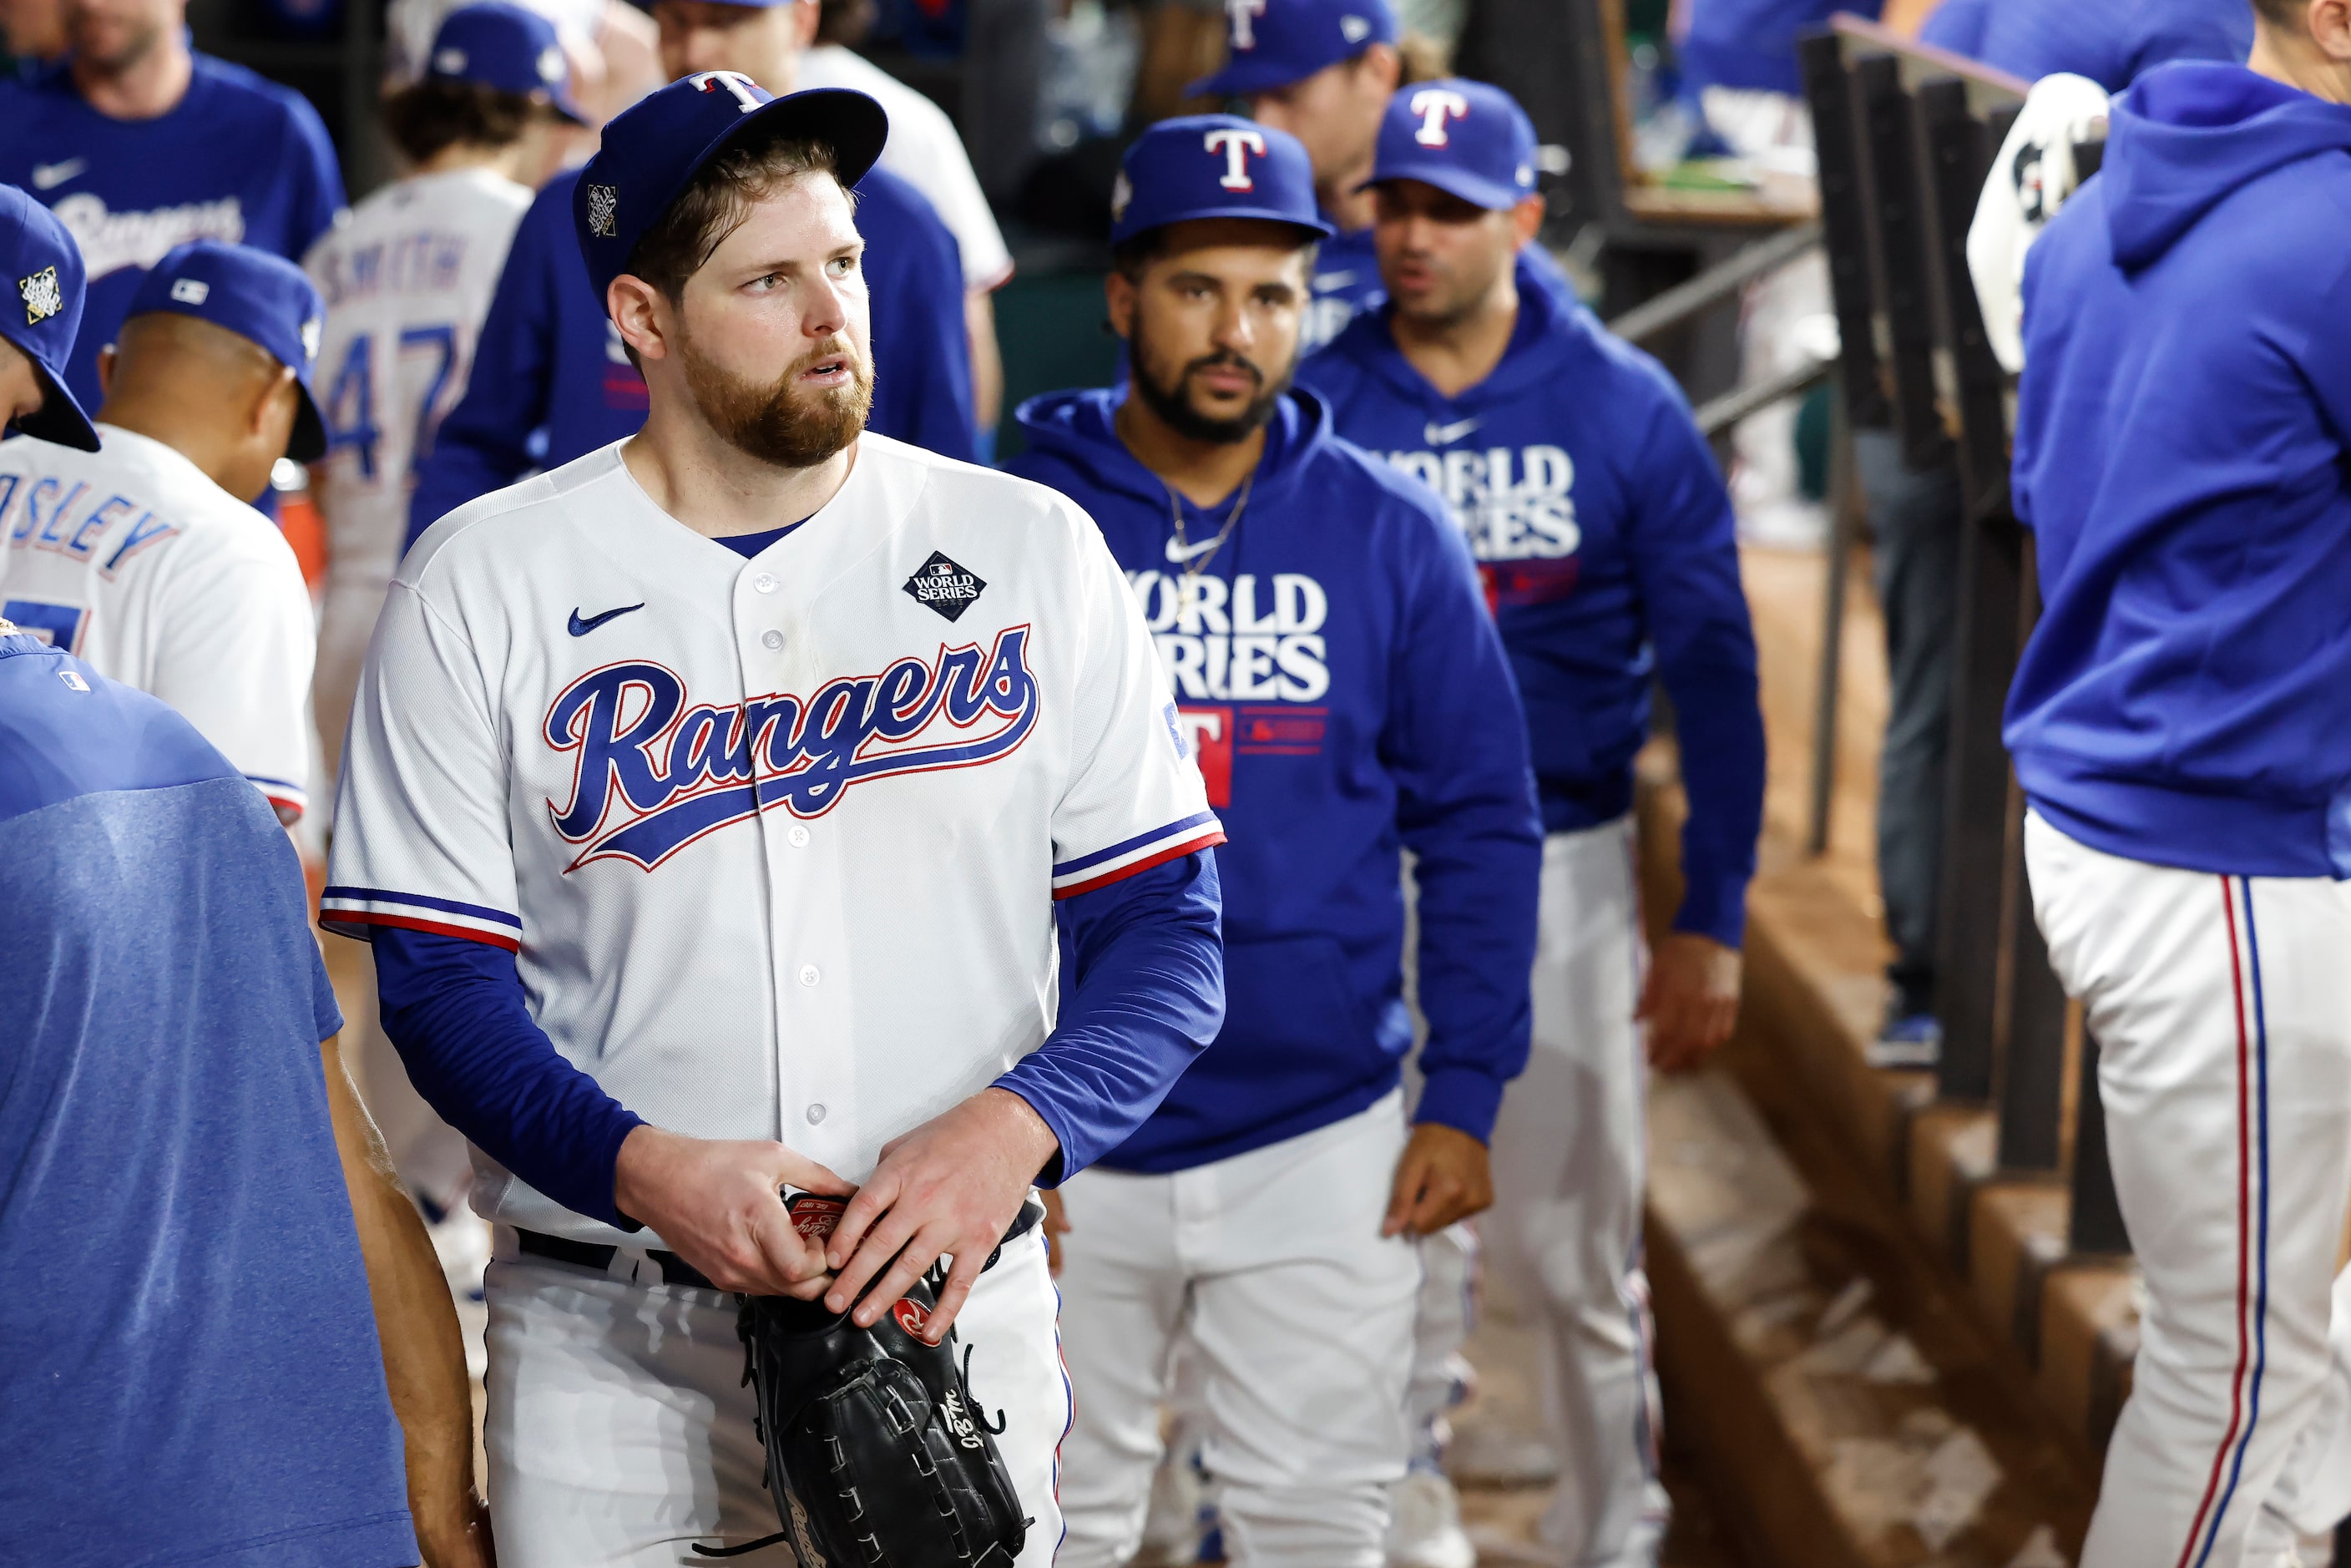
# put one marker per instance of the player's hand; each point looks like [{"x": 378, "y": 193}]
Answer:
[
  {"x": 716, "y": 1203},
  {"x": 463, "y": 1542},
  {"x": 1056, "y": 1225},
  {"x": 1691, "y": 1000},
  {"x": 953, "y": 1185},
  {"x": 1445, "y": 1176}
]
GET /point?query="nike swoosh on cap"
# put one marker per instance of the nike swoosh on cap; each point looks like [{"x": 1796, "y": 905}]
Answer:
[
  {"x": 1180, "y": 553},
  {"x": 579, "y": 628},
  {"x": 1447, "y": 435},
  {"x": 48, "y": 176}
]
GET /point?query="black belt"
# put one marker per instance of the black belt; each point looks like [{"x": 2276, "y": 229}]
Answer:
[{"x": 676, "y": 1271}]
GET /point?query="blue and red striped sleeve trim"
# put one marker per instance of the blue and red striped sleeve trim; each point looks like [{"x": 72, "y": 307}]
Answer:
[
  {"x": 352, "y": 911},
  {"x": 1140, "y": 854}
]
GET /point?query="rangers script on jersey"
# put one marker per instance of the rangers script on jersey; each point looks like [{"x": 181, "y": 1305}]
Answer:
[
  {"x": 775, "y": 841},
  {"x": 131, "y": 559}
]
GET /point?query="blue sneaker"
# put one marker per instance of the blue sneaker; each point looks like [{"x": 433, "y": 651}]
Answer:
[{"x": 1910, "y": 1042}]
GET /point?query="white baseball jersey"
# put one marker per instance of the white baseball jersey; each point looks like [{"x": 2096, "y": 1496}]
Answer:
[
  {"x": 134, "y": 560},
  {"x": 925, "y": 151},
  {"x": 776, "y": 840},
  {"x": 407, "y": 279}
]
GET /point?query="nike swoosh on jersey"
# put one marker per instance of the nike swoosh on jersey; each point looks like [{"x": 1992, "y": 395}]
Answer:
[
  {"x": 50, "y": 176},
  {"x": 579, "y": 628},
  {"x": 1447, "y": 435},
  {"x": 1181, "y": 554}
]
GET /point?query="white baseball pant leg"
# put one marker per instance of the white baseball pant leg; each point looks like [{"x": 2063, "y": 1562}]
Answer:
[
  {"x": 2223, "y": 1010},
  {"x": 619, "y": 1431},
  {"x": 1569, "y": 1157},
  {"x": 1301, "y": 1315},
  {"x": 1441, "y": 1324}
]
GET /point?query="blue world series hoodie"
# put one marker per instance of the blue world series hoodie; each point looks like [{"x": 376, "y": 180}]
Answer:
[
  {"x": 1346, "y": 697},
  {"x": 2182, "y": 458},
  {"x": 1605, "y": 535},
  {"x": 549, "y": 382}
]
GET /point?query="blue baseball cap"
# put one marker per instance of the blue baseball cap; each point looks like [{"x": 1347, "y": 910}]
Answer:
[
  {"x": 1465, "y": 137},
  {"x": 1272, "y": 43},
  {"x": 1214, "y": 166},
  {"x": 43, "y": 311},
  {"x": 651, "y": 152},
  {"x": 506, "y": 48},
  {"x": 261, "y": 297}
]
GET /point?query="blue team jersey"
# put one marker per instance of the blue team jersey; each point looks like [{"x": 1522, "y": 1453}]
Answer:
[
  {"x": 551, "y": 382},
  {"x": 195, "y": 1376},
  {"x": 1752, "y": 43},
  {"x": 1345, "y": 695},
  {"x": 1604, "y": 537},
  {"x": 2111, "y": 42},
  {"x": 238, "y": 159}
]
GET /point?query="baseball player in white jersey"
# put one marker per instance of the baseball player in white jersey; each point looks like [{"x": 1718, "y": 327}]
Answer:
[
  {"x": 407, "y": 279},
  {"x": 707, "y": 802},
  {"x": 141, "y": 558}
]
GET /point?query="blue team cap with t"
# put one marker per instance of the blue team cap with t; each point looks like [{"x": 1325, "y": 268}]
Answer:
[
  {"x": 1214, "y": 166},
  {"x": 1465, "y": 137},
  {"x": 261, "y": 297},
  {"x": 42, "y": 311},
  {"x": 1272, "y": 43},
  {"x": 507, "y": 49},
  {"x": 651, "y": 152}
]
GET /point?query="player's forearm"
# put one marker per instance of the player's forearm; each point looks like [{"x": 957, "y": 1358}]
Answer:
[
  {"x": 416, "y": 1327},
  {"x": 456, "y": 1011},
  {"x": 1149, "y": 995},
  {"x": 1479, "y": 871},
  {"x": 1722, "y": 739}
]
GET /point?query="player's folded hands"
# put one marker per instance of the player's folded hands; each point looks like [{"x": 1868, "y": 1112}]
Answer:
[
  {"x": 715, "y": 1202},
  {"x": 951, "y": 1186}
]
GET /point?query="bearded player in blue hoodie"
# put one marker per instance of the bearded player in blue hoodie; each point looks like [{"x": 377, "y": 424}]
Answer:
[
  {"x": 2180, "y": 723},
  {"x": 1346, "y": 698},
  {"x": 1603, "y": 533}
]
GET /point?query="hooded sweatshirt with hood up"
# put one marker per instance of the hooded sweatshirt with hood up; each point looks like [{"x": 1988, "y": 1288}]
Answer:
[
  {"x": 1346, "y": 696},
  {"x": 2182, "y": 458}
]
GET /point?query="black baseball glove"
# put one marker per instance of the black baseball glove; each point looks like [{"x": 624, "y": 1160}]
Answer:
[{"x": 877, "y": 1454}]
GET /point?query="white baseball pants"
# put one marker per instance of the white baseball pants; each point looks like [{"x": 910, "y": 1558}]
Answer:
[
  {"x": 619, "y": 1431},
  {"x": 1570, "y": 1158},
  {"x": 2221, "y": 1007},
  {"x": 1301, "y": 1315}
]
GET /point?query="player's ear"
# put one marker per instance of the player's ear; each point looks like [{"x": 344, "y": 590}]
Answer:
[
  {"x": 1526, "y": 219},
  {"x": 1384, "y": 63},
  {"x": 1118, "y": 298},
  {"x": 271, "y": 417},
  {"x": 806, "y": 15},
  {"x": 634, "y": 305},
  {"x": 106, "y": 372}
]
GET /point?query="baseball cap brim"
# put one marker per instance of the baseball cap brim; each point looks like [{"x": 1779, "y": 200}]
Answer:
[
  {"x": 1312, "y": 232},
  {"x": 854, "y": 125},
  {"x": 60, "y": 418},
  {"x": 1453, "y": 181},
  {"x": 1248, "y": 77}
]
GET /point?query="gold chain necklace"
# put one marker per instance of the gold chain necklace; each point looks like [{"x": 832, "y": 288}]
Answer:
[{"x": 1195, "y": 563}]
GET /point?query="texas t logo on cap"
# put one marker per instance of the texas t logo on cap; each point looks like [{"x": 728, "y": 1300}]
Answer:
[
  {"x": 1434, "y": 106},
  {"x": 1236, "y": 145},
  {"x": 1245, "y": 13},
  {"x": 746, "y": 92}
]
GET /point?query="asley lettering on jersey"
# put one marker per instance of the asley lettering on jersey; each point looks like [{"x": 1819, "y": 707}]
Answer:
[
  {"x": 655, "y": 771},
  {"x": 1514, "y": 505}
]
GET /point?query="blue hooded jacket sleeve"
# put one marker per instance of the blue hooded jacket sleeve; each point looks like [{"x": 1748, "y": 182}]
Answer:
[
  {"x": 1454, "y": 743},
  {"x": 484, "y": 444},
  {"x": 2111, "y": 42},
  {"x": 1684, "y": 560}
]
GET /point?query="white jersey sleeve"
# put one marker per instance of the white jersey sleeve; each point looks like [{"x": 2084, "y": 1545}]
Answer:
[
  {"x": 420, "y": 835},
  {"x": 234, "y": 639},
  {"x": 1134, "y": 797}
]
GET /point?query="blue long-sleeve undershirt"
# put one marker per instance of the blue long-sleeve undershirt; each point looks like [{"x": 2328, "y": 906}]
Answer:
[{"x": 1149, "y": 997}]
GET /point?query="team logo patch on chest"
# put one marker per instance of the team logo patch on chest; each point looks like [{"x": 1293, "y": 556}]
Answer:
[
  {"x": 942, "y": 585},
  {"x": 652, "y": 771}
]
